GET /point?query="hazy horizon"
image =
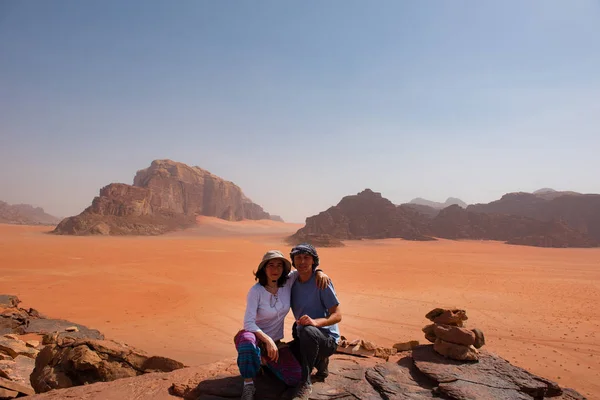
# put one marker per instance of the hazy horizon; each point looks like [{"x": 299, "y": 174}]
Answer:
[
  {"x": 303, "y": 220},
  {"x": 300, "y": 104}
]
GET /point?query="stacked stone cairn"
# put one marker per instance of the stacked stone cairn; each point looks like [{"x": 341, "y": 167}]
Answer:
[{"x": 449, "y": 336}]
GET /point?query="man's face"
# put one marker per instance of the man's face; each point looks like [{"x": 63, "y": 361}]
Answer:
[{"x": 303, "y": 263}]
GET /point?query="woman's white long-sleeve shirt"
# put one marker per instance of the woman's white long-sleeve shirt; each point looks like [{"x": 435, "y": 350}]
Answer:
[{"x": 266, "y": 312}]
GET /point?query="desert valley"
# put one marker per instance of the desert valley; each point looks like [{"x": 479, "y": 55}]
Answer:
[
  {"x": 179, "y": 289},
  {"x": 440, "y": 157}
]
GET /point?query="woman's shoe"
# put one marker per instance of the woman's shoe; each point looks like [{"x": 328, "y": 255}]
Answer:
[{"x": 248, "y": 392}]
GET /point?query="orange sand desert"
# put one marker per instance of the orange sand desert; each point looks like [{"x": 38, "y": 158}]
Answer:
[{"x": 183, "y": 295}]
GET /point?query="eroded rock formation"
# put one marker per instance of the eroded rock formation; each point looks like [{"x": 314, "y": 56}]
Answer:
[
  {"x": 418, "y": 374},
  {"x": 164, "y": 197},
  {"x": 415, "y": 375}
]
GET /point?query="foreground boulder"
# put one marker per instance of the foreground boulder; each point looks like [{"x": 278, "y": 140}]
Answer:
[
  {"x": 490, "y": 378},
  {"x": 66, "y": 362},
  {"x": 349, "y": 378},
  {"x": 420, "y": 374}
]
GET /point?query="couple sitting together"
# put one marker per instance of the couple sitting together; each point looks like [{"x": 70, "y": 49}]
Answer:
[{"x": 315, "y": 332}]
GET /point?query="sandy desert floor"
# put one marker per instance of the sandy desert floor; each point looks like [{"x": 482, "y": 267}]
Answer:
[{"x": 183, "y": 295}]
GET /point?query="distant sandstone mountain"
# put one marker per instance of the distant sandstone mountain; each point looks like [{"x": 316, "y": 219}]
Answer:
[
  {"x": 25, "y": 214},
  {"x": 276, "y": 218},
  {"x": 579, "y": 211},
  {"x": 164, "y": 197},
  {"x": 544, "y": 191},
  {"x": 428, "y": 211},
  {"x": 367, "y": 215},
  {"x": 456, "y": 223},
  {"x": 434, "y": 204},
  {"x": 549, "y": 194},
  {"x": 518, "y": 218}
]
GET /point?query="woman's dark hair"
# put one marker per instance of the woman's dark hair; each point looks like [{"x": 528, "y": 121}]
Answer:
[{"x": 261, "y": 276}]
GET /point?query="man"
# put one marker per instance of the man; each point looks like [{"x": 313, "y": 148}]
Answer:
[{"x": 317, "y": 313}]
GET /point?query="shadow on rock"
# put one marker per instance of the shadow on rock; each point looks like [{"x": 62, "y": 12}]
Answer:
[{"x": 268, "y": 387}]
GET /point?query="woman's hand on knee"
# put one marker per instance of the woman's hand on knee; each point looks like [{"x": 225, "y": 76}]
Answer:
[{"x": 272, "y": 350}]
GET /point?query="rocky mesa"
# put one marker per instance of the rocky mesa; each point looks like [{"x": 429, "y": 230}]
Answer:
[{"x": 164, "y": 197}]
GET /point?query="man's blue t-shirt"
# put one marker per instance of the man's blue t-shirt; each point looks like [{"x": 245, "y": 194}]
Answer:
[{"x": 308, "y": 299}]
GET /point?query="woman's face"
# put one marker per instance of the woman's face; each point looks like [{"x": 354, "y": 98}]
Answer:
[{"x": 274, "y": 269}]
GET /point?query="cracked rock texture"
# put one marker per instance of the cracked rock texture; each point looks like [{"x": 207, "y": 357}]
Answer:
[{"x": 420, "y": 374}]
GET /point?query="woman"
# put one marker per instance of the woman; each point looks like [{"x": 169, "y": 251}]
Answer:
[{"x": 267, "y": 304}]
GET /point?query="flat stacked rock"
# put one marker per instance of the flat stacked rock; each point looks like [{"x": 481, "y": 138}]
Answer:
[
  {"x": 449, "y": 336},
  {"x": 17, "y": 357}
]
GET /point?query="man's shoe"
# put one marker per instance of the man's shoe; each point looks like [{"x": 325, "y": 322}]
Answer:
[
  {"x": 303, "y": 391},
  {"x": 322, "y": 368},
  {"x": 248, "y": 392}
]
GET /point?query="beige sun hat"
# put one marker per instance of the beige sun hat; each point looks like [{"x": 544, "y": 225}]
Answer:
[{"x": 272, "y": 255}]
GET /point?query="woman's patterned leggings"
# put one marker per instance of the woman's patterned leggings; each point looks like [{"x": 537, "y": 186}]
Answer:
[{"x": 287, "y": 368}]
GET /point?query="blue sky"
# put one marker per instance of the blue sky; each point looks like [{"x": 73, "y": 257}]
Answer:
[{"x": 300, "y": 103}]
